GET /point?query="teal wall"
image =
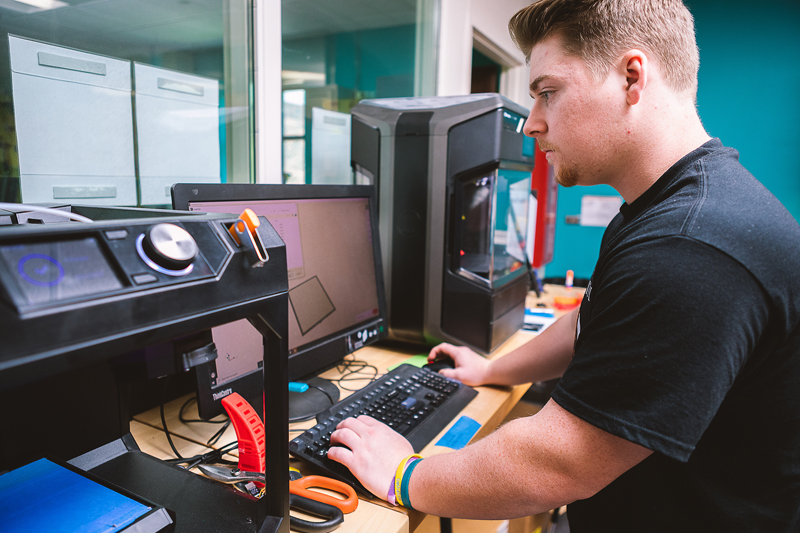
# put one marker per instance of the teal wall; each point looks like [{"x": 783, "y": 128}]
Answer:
[
  {"x": 749, "y": 90},
  {"x": 377, "y": 62},
  {"x": 749, "y": 97},
  {"x": 576, "y": 247}
]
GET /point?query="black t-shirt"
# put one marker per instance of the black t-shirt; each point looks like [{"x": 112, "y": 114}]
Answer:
[{"x": 688, "y": 344}]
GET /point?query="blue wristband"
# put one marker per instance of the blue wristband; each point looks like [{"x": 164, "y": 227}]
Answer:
[{"x": 404, "y": 485}]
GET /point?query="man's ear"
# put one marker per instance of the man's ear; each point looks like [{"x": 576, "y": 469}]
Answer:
[{"x": 636, "y": 68}]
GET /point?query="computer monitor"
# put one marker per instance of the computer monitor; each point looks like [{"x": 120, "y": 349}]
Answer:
[{"x": 336, "y": 295}]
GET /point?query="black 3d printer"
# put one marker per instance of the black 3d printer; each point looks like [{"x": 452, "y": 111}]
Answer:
[
  {"x": 454, "y": 177},
  {"x": 80, "y": 302}
]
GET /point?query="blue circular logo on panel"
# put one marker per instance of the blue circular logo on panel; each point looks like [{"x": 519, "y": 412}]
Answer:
[{"x": 41, "y": 270}]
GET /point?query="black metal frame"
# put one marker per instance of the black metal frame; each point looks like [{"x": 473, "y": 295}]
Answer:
[{"x": 32, "y": 371}]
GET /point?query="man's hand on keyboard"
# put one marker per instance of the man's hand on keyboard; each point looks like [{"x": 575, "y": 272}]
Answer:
[
  {"x": 470, "y": 368},
  {"x": 374, "y": 451}
]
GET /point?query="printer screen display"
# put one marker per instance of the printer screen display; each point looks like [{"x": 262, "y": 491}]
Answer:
[{"x": 50, "y": 272}]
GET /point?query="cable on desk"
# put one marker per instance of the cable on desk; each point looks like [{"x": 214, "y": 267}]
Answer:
[
  {"x": 198, "y": 420},
  {"x": 213, "y": 457},
  {"x": 164, "y": 386},
  {"x": 352, "y": 367},
  {"x": 216, "y": 436}
]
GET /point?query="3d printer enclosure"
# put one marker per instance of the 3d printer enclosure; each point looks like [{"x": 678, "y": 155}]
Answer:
[
  {"x": 413, "y": 150},
  {"x": 60, "y": 396}
]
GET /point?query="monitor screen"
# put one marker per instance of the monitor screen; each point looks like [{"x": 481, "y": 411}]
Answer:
[{"x": 336, "y": 301}]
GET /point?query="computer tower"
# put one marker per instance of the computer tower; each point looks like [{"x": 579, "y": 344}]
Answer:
[{"x": 453, "y": 176}]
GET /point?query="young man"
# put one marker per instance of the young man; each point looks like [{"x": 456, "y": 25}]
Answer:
[{"x": 678, "y": 406}]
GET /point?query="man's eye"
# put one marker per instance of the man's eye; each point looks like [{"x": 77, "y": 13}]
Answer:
[{"x": 545, "y": 95}]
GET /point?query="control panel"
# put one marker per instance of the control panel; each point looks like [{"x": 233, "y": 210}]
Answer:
[
  {"x": 359, "y": 338},
  {"x": 91, "y": 284},
  {"x": 88, "y": 262}
]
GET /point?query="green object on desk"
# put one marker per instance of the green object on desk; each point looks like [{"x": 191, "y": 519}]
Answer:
[{"x": 416, "y": 360}]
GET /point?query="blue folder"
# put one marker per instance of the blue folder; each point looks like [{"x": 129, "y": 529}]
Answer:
[{"x": 44, "y": 496}]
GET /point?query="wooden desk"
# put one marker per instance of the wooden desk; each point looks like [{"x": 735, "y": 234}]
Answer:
[{"x": 489, "y": 409}]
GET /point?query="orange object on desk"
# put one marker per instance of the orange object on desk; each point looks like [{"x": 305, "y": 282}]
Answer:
[
  {"x": 566, "y": 302},
  {"x": 301, "y": 486}
]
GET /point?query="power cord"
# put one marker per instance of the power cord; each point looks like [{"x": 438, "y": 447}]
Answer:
[
  {"x": 352, "y": 367},
  {"x": 212, "y": 457},
  {"x": 349, "y": 370},
  {"x": 216, "y": 436},
  {"x": 198, "y": 420},
  {"x": 164, "y": 386}
]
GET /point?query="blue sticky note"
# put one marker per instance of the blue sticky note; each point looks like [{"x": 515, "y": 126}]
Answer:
[
  {"x": 460, "y": 434},
  {"x": 543, "y": 312}
]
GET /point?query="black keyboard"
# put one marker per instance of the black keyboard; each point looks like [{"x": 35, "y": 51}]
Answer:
[{"x": 416, "y": 402}]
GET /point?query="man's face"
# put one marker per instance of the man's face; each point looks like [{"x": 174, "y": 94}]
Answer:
[{"x": 577, "y": 121}]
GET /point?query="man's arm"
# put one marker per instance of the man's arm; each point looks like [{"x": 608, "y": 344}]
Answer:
[
  {"x": 528, "y": 466},
  {"x": 545, "y": 357}
]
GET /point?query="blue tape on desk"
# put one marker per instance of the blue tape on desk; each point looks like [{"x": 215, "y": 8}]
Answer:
[
  {"x": 460, "y": 434},
  {"x": 43, "y": 496}
]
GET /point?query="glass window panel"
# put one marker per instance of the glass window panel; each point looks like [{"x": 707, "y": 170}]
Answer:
[
  {"x": 110, "y": 102},
  {"x": 294, "y": 161},
  {"x": 343, "y": 53},
  {"x": 294, "y": 113}
]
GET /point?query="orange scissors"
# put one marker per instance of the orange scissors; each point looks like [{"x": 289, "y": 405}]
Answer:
[{"x": 300, "y": 486}]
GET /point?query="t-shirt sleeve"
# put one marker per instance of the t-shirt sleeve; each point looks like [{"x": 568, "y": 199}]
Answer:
[{"x": 664, "y": 331}]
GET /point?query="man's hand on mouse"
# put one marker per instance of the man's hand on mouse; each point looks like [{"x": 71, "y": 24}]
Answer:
[{"x": 470, "y": 368}]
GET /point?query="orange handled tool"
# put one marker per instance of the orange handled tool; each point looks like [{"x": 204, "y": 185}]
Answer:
[
  {"x": 301, "y": 487},
  {"x": 298, "y": 487}
]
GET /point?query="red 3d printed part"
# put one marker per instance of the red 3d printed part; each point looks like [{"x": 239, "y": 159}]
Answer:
[{"x": 249, "y": 432}]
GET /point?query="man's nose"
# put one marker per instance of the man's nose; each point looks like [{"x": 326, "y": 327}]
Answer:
[{"x": 534, "y": 125}]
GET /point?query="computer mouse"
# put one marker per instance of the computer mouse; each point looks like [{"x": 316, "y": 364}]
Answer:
[{"x": 439, "y": 364}]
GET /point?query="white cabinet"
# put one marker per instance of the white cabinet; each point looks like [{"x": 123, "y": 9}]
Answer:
[
  {"x": 177, "y": 130},
  {"x": 74, "y": 125}
]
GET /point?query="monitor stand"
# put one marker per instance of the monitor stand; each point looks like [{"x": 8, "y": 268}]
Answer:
[{"x": 305, "y": 405}]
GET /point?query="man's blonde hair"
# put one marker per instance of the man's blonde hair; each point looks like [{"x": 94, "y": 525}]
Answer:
[{"x": 599, "y": 31}]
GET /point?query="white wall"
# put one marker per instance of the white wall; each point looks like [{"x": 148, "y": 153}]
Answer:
[{"x": 485, "y": 22}]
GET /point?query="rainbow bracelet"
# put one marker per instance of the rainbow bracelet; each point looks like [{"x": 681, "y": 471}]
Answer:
[
  {"x": 398, "y": 477},
  {"x": 390, "y": 495},
  {"x": 405, "y": 482}
]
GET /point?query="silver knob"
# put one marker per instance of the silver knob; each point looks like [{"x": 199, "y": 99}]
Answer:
[{"x": 170, "y": 246}]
